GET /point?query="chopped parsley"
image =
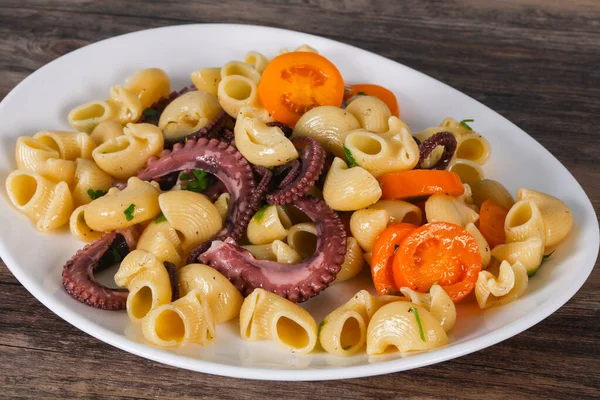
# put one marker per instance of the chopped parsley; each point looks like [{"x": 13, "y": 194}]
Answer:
[
  {"x": 94, "y": 194},
  {"x": 321, "y": 325},
  {"x": 129, "y": 212},
  {"x": 270, "y": 167},
  {"x": 464, "y": 124},
  {"x": 150, "y": 112},
  {"x": 198, "y": 183},
  {"x": 184, "y": 175},
  {"x": 260, "y": 213},
  {"x": 361, "y": 94},
  {"x": 415, "y": 311},
  {"x": 350, "y": 158},
  {"x": 161, "y": 218}
]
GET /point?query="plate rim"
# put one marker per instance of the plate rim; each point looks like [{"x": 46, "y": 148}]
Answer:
[{"x": 287, "y": 374}]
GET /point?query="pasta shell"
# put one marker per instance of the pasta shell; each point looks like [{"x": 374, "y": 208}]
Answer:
[
  {"x": 489, "y": 189},
  {"x": 437, "y": 302},
  {"x": 207, "y": 79},
  {"x": 366, "y": 225},
  {"x": 269, "y": 224},
  {"x": 149, "y": 85},
  {"x": 473, "y": 147},
  {"x": 524, "y": 221},
  {"x": 188, "y": 114},
  {"x": 469, "y": 171},
  {"x": 372, "y": 113},
  {"x": 353, "y": 261},
  {"x": 302, "y": 238},
  {"x": 348, "y": 189},
  {"x": 510, "y": 284},
  {"x": 528, "y": 252}
]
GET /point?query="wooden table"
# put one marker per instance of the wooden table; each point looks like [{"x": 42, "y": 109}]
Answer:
[{"x": 534, "y": 61}]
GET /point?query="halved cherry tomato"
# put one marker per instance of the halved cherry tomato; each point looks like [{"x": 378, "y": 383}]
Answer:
[
  {"x": 418, "y": 183},
  {"x": 369, "y": 89},
  {"x": 491, "y": 222},
  {"x": 295, "y": 82},
  {"x": 438, "y": 252},
  {"x": 383, "y": 254}
]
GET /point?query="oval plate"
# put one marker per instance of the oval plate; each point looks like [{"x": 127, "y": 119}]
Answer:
[{"x": 43, "y": 100}]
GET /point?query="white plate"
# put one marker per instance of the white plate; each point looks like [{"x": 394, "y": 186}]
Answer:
[{"x": 43, "y": 100}]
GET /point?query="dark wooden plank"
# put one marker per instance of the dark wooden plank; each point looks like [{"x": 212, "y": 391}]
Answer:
[{"x": 534, "y": 61}]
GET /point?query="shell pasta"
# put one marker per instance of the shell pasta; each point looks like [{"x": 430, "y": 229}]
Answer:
[{"x": 269, "y": 180}]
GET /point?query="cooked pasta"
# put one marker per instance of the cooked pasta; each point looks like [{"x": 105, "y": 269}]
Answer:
[
  {"x": 372, "y": 113},
  {"x": 70, "y": 145},
  {"x": 188, "y": 114},
  {"x": 442, "y": 207},
  {"x": 509, "y": 285},
  {"x": 489, "y": 189},
  {"x": 302, "y": 237},
  {"x": 268, "y": 224},
  {"x": 192, "y": 215},
  {"x": 329, "y": 125},
  {"x": 184, "y": 321},
  {"x": 399, "y": 324},
  {"x": 149, "y": 85},
  {"x": 469, "y": 171},
  {"x": 524, "y": 221},
  {"x": 343, "y": 332},
  {"x": 126, "y": 103},
  {"x": 80, "y": 229},
  {"x": 105, "y": 131},
  {"x": 221, "y": 296},
  {"x": 161, "y": 239},
  {"x": 556, "y": 215},
  {"x": 58, "y": 170},
  {"x": 207, "y": 79},
  {"x": 138, "y": 202},
  {"x": 238, "y": 68},
  {"x": 31, "y": 154},
  {"x": 124, "y": 155},
  {"x": 275, "y": 251},
  {"x": 46, "y": 203},
  {"x": 257, "y": 60},
  {"x": 89, "y": 181},
  {"x": 367, "y": 224},
  {"x": 222, "y": 205},
  {"x": 353, "y": 261},
  {"x": 529, "y": 252},
  {"x": 266, "y": 316},
  {"x": 393, "y": 151},
  {"x": 447, "y": 125},
  {"x": 86, "y": 117},
  {"x": 484, "y": 248},
  {"x": 437, "y": 302},
  {"x": 399, "y": 211},
  {"x": 261, "y": 144},
  {"x": 348, "y": 189},
  {"x": 236, "y": 92},
  {"x": 473, "y": 147}
]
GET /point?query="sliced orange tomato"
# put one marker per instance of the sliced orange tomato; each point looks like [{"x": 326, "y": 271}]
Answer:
[
  {"x": 438, "y": 252},
  {"x": 491, "y": 222},
  {"x": 383, "y": 254},
  {"x": 293, "y": 83},
  {"x": 419, "y": 182},
  {"x": 369, "y": 89}
]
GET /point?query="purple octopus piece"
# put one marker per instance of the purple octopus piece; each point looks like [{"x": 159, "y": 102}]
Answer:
[
  {"x": 297, "y": 282},
  {"x": 210, "y": 130},
  {"x": 173, "y": 279},
  {"x": 286, "y": 129},
  {"x": 312, "y": 160},
  {"x": 445, "y": 139},
  {"x": 78, "y": 273}
]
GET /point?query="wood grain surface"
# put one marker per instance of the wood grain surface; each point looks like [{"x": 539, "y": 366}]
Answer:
[{"x": 537, "y": 62}]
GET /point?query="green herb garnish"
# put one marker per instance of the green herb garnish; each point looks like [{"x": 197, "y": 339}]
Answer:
[
  {"x": 184, "y": 175},
  {"x": 260, "y": 213},
  {"x": 346, "y": 347},
  {"x": 321, "y": 325},
  {"x": 94, "y": 194},
  {"x": 415, "y": 311},
  {"x": 361, "y": 94},
  {"x": 270, "y": 167},
  {"x": 350, "y": 158},
  {"x": 129, "y": 212},
  {"x": 464, "y": 124},
  {"x": 161, "y": 218},
  {"x": 380, "y": 184},
  {"x": 199, "y": 183},
  {"x": 150, "y": 112}
]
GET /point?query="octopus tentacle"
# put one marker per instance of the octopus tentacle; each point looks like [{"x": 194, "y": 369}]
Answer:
[
  {"x": 219, "y": 159},
  {"x": 288, "y": 171},
  {"x": 78, "y": 273},
  {"x": 297, "y": 282},
  {"x": 286, "y": 129},
  {"x": 445, "y": 139},
  {"x": 211, "y": 130},
  {"x": 312, "y": 160}
]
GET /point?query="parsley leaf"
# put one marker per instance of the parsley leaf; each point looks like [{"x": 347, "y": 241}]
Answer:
[
  {"x": 161, "y": 218},
  {"x": 464, "y": 124},
  {"x": 260, "y": 213},
  {"x": 350, "y": 158},
  {"x": 415, "y": 311},
  {"x": 184, "y": 175},
  {"x": 94, "y": 194},
  {"x": 150, "y": 112},
  {"x": 198, "y": 183},
  {"x": 361, "y": 94},
  {"x": 129, "y": 212},
  {"x": 321, "y": 325}
]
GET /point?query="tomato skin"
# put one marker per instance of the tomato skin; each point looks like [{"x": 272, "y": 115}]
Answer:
[
  {"x": 383, "y": 255},
  {"x": 438, "y": 252},
  {"x": 370, "y": 89},
  {"x": 293, "y": 83}
]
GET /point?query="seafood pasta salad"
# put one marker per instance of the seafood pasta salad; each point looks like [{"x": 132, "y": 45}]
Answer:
[{"x": 266, "y": 181}]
